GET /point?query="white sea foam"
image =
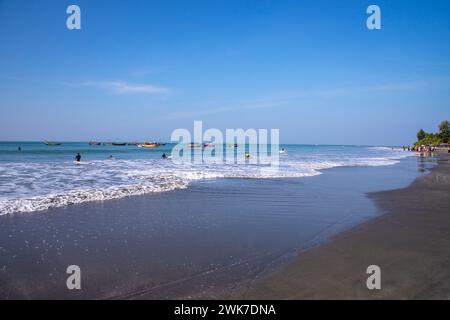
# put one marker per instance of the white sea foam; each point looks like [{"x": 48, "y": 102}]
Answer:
[{"x": 31, "y": 186}]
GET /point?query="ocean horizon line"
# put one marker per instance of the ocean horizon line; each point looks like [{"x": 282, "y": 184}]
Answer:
[{"x": 167, "y": 142}]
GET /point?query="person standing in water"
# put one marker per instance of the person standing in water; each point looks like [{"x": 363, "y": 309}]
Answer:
[
  {"x": 78, "y": 157},
  {"x": 19, "y": 148}
]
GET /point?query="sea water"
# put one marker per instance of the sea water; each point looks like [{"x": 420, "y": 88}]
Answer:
[{"x": 39, "y": 177}]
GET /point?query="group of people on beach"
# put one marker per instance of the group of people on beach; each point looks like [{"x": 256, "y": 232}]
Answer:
[{"x": 423, "y": 149}]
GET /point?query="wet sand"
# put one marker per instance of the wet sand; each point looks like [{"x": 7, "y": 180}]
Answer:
[{"x": 410, "y": 243}]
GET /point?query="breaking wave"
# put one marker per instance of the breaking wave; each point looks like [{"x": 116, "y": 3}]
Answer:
[{"x": 35, "y": 186}]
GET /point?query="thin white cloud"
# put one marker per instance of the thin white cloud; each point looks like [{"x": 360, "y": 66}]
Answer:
[{"x": 122, "y": 87}]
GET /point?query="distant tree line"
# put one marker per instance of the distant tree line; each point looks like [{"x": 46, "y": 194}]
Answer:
[{"x": 443, "y": 136}]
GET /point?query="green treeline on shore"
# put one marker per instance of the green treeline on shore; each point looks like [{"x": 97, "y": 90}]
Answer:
[{"x": 442, "y": 137}]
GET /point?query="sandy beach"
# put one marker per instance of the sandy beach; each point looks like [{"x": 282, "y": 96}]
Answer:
[{"x": 410, "y": 242}]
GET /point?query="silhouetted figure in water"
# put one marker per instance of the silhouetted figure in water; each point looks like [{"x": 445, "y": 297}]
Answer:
[
  {"x": 19, "y": 148},
  {"x": 78, "y": 157},
  {"x": 163, "y": 156}
]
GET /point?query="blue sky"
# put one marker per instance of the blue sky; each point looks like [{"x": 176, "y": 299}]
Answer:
[{"x": 139, "y": 69}]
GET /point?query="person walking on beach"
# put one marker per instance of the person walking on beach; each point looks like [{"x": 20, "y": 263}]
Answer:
[{"x": 78, "y": 157}]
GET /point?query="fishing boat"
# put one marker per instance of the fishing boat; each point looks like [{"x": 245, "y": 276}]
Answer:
[
  {"x": 148, "y": 145},
  {"x": 52, "y": 143},
  {"x": 119, "y": 144},
  {"x": 94, "y": 143}
]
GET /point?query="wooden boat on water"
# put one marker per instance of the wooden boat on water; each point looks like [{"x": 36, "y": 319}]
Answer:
[
  {"x": 52, "y": 143},
  {"x": 148, "y": 145},
  {"x": 94, "y": 143},
  {"x": 119, "y": 144}
]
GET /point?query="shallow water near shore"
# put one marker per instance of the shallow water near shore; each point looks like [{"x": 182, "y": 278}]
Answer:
[
  {"x": 39, "y": 177},
  {"x": 196, "y": 242}
]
